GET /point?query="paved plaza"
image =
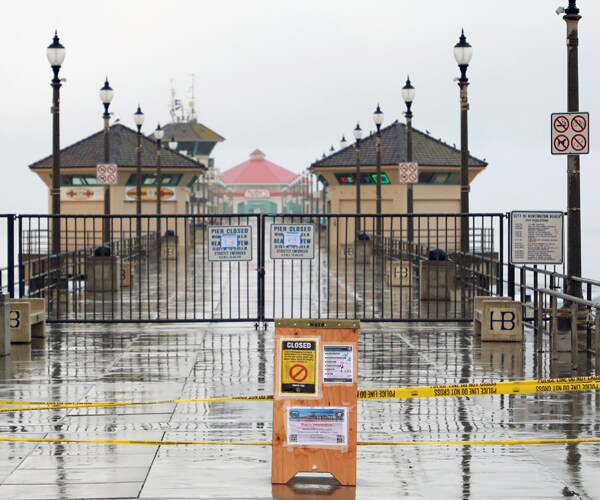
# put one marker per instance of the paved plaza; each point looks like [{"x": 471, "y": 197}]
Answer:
[{"x": 144, "y": 363}]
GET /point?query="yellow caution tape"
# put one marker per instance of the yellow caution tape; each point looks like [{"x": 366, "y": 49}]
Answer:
[
  {"x": 482, "y": 389},
  {"x": 485, "y": 388},
  {"x": 58, "y": 405},
  {"x": 491, "y": 442}
]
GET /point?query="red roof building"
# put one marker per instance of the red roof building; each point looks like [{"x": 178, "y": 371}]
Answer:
[{"x": 257, "y": 184}]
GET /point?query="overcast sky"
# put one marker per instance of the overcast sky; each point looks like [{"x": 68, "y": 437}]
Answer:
[{"x": 290, "y": 77}]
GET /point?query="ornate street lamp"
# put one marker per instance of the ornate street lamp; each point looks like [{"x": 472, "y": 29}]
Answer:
[
  {"x": 378, "y": 120},
  {"x": 462, "y": 54},
  {"x": 56, "y": 55},
  {"x": 357, "y": 136},
  {"x": 138, "y": 118},
  {"x": 106, "y": 96},
  {"x": 343, "y": 142},
  {"x": 408, "y": 94}
]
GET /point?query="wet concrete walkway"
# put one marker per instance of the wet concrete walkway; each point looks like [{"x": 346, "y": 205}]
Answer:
[{"x": 186, "y": 361}]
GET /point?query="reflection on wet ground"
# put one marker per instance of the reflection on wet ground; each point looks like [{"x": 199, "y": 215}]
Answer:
[{"x": 165, "y": 362}]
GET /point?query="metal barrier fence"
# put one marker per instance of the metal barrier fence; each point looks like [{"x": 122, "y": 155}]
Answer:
[
  {"x": 368, "y": 267},
  {"x": 159, "y": 268}
]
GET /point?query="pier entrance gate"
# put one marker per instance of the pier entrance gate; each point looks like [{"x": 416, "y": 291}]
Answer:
[{"x": 255, "y": 267}]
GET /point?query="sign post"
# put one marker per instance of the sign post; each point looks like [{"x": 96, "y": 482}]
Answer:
[{"x": 314, "y": 402}]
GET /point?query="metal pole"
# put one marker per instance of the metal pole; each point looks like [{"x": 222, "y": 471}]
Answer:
[
  {"x": 106, "y": 224},
  {"x": 378, "y": 180},
  {"x": 358, "y": 181},
  {"x": 158, "y": 178},
  {"x": 572, "y": 18},
  {"x": 158, "y": 188},
  {"x": 409, "y": 186},
  {"x": 463, "y": 83},
  {"x": 138, "y": 189},
  {"x": 55, "y": 192},
  {"x": 138, "y": 173}
]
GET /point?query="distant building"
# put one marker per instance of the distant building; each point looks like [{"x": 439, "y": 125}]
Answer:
[
  {"x": 257, "y": 184},
  {"x": 80, "y": 192},
  {"x": 197, "y": 141},
  {"x": 437, "y": 189}
]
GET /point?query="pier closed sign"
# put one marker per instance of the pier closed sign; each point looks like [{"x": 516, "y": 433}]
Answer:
[
  {"x": 536, "y": 237},
  {"x": 229, "y": 243},
  {"x": 292, "y": 241}
]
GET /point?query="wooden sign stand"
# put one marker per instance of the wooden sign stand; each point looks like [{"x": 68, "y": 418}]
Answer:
[{"x": 314, "y": 399}]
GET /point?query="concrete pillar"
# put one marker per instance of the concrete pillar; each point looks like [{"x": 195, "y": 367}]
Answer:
[{"x": 4, "y": 325}]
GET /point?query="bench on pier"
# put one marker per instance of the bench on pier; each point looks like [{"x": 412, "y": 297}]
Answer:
[
  {"x": 27, "y": 319},
  {"x": 498, "y": 319}
]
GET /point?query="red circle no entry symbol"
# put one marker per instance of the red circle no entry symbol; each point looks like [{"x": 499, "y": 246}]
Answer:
[
  {"x": 561, "y": 124},
  {"x": 578, "y": 123},
  {"x": 561, "y": 143},
  {"x": 578, "y": 142},
  {"x": 298, "y": 373}
]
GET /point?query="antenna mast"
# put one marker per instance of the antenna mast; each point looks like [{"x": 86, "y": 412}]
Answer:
[
  {"x": 172, "y": 110},
  {"x": 192, "y": 101}
]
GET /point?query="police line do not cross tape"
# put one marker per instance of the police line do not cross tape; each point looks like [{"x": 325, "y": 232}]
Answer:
[{"x": 454, "y": 390}]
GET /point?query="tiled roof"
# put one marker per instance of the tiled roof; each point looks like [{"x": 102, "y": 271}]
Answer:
[
  {"x": 427, "y": 151},
  {"x": 191, "y": 132},
  {"x": 257, "y": 170},
  {"x": 90, "y": 151}
]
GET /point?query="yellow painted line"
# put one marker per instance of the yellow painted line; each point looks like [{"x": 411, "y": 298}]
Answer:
[
  {"x": 492, "y": 442},
  {"x": 135, "y": 442},
  {"x": 476, "y": 389}
]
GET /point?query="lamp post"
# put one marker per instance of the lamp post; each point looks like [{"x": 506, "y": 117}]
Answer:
[
  {"x": 138, "y": 118},
  {"x": 462, "y": 54},
  {"x": 378, "y": 119},
  {"x": 357, "y": 180},
  {"x": 408, "y": 94},
  {"x": 343, "y": 142},
  {"x": 106, "y": 95},
  {"x": 56, "y": 55},
  {"x": 572, "y": 18},
  {"x": 159, "y": 133}
]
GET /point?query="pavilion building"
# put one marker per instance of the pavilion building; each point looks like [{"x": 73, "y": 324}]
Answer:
[{"x": 257, "y": 184}]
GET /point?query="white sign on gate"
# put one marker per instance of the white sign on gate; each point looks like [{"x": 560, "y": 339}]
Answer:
[
  {"x": 106, "y": 173},
  {"x": 409, "y": 172},
  {"x": 293, "y": 241},
  {"x": 229, "y": 243},
  {"x": 536, "y": 237},
  {"x": 570, "y": 133}
]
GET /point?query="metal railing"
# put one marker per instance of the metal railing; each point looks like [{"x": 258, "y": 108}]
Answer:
[{"x": 582, "y": 320}]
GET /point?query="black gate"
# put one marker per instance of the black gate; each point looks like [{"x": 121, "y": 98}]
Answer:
[{"x": 254, "y": 267}]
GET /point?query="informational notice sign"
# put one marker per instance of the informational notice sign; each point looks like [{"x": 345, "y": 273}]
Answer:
[
  {"x": 292, "y": 241},
  {"x": 229, "y": 243},
  {"x": 536, "y": 237},
  {"x": 338, "y": 364},
  {"x": 298, "y": 366},
  {"x": 313, "y": 426}
]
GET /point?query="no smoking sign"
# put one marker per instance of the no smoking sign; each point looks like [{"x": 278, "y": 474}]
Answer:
[
  {"x": 570, "y": 133},
  {"x": 409, "y": 172},
  {"x": 106, "y": 173}
]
